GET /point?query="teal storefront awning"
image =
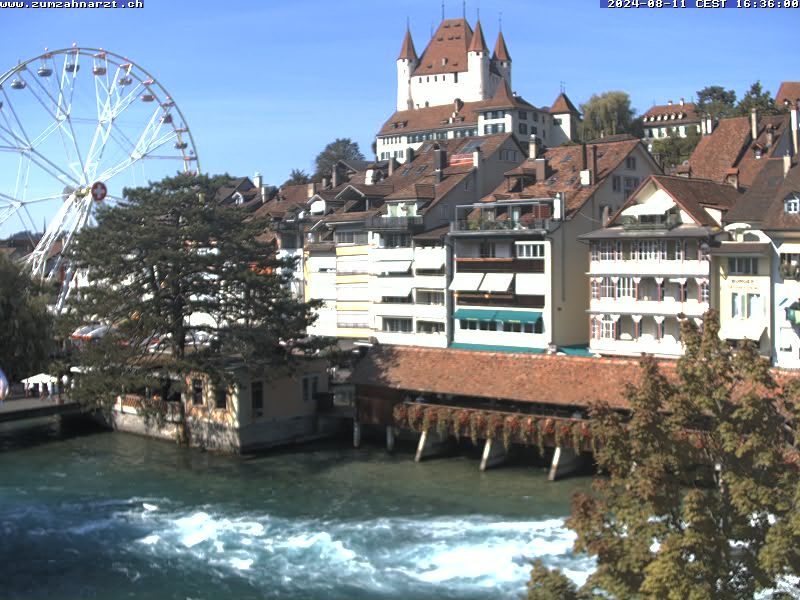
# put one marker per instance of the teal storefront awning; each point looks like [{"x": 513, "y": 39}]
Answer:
[
  {"x": 475, "y": 313},
  {"x": 517, "y": 316}
]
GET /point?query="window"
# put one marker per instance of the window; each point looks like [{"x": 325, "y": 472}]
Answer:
[
  {"x": 626, "y": 288},
  {"x": 743, "y": 265},
  {"x": 616, "y": 183},
  {"x": 608, "y": 250},
  {"x": 197, "y": 392},
  {"x": 495, "y": 128},
  {"x": 455, "y": 77},
  {"x": 631, "y": 183},
  {"x": 257, "y": 398},
  {"x": 650, "y": 250},
  {"x": 607, "y": 288},
  {"x": 523, "y": 128},
  {"x": 556, "y": 121},
  {"x": 744, "y": 306},
  {"x": 351, "y": 237},
  {"x": 488, "y": 250},
  {"x": 608, "y": 328},
  {"x": 397, "y": 325},
  {"x": 430, "y": 327},
  {"x": 630, "y": 163},
  {"x": 310, "y": 385},
  {"x": 397, "y": 240},
  {"x": 353, "y": 320},
  {"x": 508, "y": 155},
  {"x": 396, "y": 299},
  {"x": 705, "y": 292},
  {"x": 528, "y": 250},
  {"x": 792, "y": 204},
  {"x": 430, "y": 297},
  {"x": 221, "y": 396}
]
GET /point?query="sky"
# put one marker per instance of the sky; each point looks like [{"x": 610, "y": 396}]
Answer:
[{"x": 266, "y": 84}]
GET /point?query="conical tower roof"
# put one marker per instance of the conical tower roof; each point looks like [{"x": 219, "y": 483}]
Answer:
[
  {"x": 478, "y": 44},
  {"x": 408, "y": 52},
  {"x": 500, "y": 49}
]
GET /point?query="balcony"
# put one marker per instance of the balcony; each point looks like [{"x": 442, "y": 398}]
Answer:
[
  {"x": 650, "y": 222},
  {"x": 654, "y": 267},
  {"x": 500, "y": 265},
  {"x": 500, "y": 226},
  {"x": 384, "y": 223},
  {"x": 666, "y": 307}
]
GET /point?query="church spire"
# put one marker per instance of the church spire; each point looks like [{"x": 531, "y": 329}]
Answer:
[
  {"x": 478, "y": 44},
  {"x": 500, "y": 49},
  {"x": 408, "y": 52}
]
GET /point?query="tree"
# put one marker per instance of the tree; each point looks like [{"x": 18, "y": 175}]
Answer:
[
  {"x": 26, "y": 338},
  {"x": 338, "y": 149},
  {"x": 759, "y": 99},
  {"x": 550, "y": 585},
  {"x": 297, "y": 177},
  {"x": 701, "y": 497},
  {"x": 716, "y": 101},
  {"x": 673, "y": 150},
  {"x": 606, "y": 114},
  {"x": 185, "y": 285}
]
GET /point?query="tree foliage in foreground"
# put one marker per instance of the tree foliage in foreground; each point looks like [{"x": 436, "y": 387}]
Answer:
[
  {"x": 700, "y": 496},
  {"x": 185, "y": 285},
  {"x": 25, "y": 325},
  {"x": 338, "y": 149},
  {"x": 672, "y": 151}
]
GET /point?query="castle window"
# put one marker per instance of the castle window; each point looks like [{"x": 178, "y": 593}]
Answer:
[
  {"x": 791, "y": 204},
  {"x": 523, "y": 115},
  {"x": 523, "y": 128},
  {"x": 455, "y": 77}
]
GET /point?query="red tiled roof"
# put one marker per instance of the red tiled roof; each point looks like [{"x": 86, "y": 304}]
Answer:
[
  {"x": 407, "y": 51},
  {"x": 764, "y": 201},
  {"x": 562, "y": 105},
  {"x": 674, "y": 113},
  {"x": 564, "y": 166},
  {"x": 447, "y": 50},
  {"x": 478, "y": 44},
  {"x": 500, "y": 49},
  {"x": 789, "y": 90}
]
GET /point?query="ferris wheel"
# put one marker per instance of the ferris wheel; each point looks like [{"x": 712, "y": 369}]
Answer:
[{"x": 77, "y": 125}]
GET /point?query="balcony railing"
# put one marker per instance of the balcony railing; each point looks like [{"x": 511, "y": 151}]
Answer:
[
  {"x": 504, "y": 225},
  {"x": 500, "y": 265},
  {"x": 635, "y": 223},
  {"x": 384, "y": 223}
]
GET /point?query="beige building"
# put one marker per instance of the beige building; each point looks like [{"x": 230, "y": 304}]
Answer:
[{"x": 519, "y": 273}]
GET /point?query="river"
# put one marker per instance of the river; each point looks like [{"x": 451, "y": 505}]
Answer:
[{"x": 92, "y": 514}]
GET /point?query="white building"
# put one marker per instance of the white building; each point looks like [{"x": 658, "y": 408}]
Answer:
[
  {"x": 519, "y": 281},
  {"x": 650, "y": 267},
  {"x": 457, "y": 89},
  {"x": 672, "y": 120}
]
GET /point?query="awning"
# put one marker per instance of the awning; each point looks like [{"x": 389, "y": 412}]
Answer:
[
  {"x": 466, "y": 282},
  {"x": 742, "y": 330},
  {"x": 475, "y": 313},
  {"x": 517, "y": 316},
  {"x": 657, "y": 205},
  {"x": 428, "y": 259},
  {"x": 497, "y": 282},
  {"x": 529, "y": 284},
  {"x": 390, "y": 266},
  {"x": 395, "y": 289}
]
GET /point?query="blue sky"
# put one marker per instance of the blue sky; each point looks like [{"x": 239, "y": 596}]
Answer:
[{"x": 265, "y": 85}]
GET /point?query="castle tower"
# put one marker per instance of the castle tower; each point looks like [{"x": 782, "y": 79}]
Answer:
[
  {"x": 478, "y": 62},
  {"x": 501, "y": 59},
  {"x": 406, "y": 63}
]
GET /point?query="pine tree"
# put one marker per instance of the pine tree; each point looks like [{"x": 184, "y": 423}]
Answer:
[
  {"x": 185, "y": 285},
  {"x": 698, "y": 500}
]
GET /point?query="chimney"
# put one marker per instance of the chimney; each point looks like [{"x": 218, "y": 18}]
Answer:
[
  {"x": 258, "y": 180},
  {"x": 682, "y": 102},
  {"x": 594, "y": 163},
  {"x": 540, "y": 165},
  {"x": 439, "y": 162},
  {"x": 703, "y": 126},
  {"x": 392, "y": 165},
  {"x": 753, "y": 123},
  {"x": 409, "y": 155},
  {"x": 787, "y": 164},
  {"x": 369, "y": 177},
  {"x": 584, "y": 163},
  {"x": 335, "y": 176},
  {"x": 709, "y": 124},
  {"x": 793, "y": 121},
  {"x": 770, "y": 136},
  {"x": 476, "y": 158},
  {"x": 534, "y": 147},
  {"x": 311, "y": 189},
  {"x": 325, "y": 183}
]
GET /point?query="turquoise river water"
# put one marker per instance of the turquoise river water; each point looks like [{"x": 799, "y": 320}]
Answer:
[{"x": 109, "y": 515}]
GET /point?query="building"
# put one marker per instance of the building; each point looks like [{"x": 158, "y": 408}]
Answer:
[
  {"x": 788, "y": 94},
  {"x": 378, "y": 258},
  {"x": 519, "y": 272},
  {"x": 650, "y": 267},
  {"x": 457, "y": 89},
  {"x": 669, "y": 120}
]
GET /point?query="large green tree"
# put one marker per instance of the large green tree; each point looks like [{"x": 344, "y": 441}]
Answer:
[
  {"x": 184, "y": 285},
  {"x": 716, "y": 101},
  {"x": 700, "y": 497},
  {"x": 26, "y": 335},
  {"x": 297, "y": 177},
  {"x": 606, "y": 114},
  {"x": 338, "y": 149},
  {"x": 673, "y": 150},
  {"x": 760, "y": 99}
]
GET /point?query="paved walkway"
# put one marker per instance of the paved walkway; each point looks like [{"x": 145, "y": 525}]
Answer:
[{"x": 29, "y": 408}]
